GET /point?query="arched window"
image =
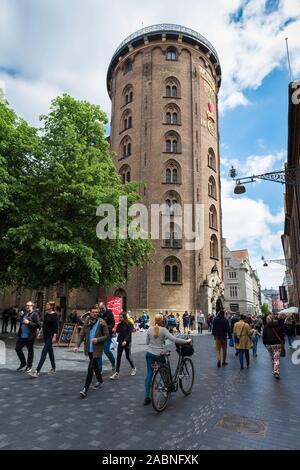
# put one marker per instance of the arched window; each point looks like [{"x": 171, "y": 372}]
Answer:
[
  {"x": 213, "y": 221},
  {"x": 173, "y": 238},
  {"x": 127, "y": 95},
  {"x": 212, "y": 188},
  {"x": 128, "y": 66},
  {"x": 211, "y": 159},
  {"x": 172, "y": 87},
  {"x": 126, "y": 120},
  {"x": 172, "y": 142},
  {"x": 214, "y": 252},
  {"x": 125, "y": 174},
  {"x": 172, "y": 114},
  {"x": 172, "y": 172},
  {"x": 172, "y": 270},
  {"x": 125, "y": 147},
  {"x": 171, "y": 54},
  {"x": 173, "y": 201}
]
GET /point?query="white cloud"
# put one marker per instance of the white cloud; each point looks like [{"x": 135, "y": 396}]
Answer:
[
  {"x": 67, "y": 45},
  {"x": 255, "y": 164},
  {"x": 248, "y": 223}
]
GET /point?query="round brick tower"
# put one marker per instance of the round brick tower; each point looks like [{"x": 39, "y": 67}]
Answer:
[{"x": 163, "y": 82}]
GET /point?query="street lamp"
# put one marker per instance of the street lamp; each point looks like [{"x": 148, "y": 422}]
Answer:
[
  {"x": 289, "y": 176},
  {"x": 282, "y": 261}
]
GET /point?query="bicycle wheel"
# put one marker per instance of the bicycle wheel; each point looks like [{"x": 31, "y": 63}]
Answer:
[
  {"x": 186, "y": 376},
  {"x": 160, "y": 388}
]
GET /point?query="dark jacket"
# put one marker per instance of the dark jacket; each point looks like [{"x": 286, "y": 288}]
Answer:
[
  {"x": 101, "y": 335},
  {"x": 124, "y": 331},
  {"x": 221, "y": 328},
  {"x": 109, "y": 319},
  {"x": 290, "y": 328},
  {"x": 50, "y": 325},
  {"x": 33, "y": 324},
  {"x": 269, "y": 334}
]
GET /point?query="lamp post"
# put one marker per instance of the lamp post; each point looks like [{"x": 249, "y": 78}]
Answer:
[{"x": 288, "y": 176}]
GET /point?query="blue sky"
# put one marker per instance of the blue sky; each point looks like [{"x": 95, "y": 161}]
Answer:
[{"x": 56, "y": 46}]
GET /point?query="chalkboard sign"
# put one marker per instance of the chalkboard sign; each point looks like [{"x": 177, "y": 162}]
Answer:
[{"x": 67, "y": 333}]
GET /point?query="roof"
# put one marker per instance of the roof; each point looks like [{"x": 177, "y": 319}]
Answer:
[
  {"x": 170, "y": 31},
  {"x": 241, "y": 255}
]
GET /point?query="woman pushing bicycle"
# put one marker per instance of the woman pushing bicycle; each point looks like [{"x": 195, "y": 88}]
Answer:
[{"x": 155, "y": 340}]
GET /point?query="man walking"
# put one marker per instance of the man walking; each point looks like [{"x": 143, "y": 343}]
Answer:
[
  {"x": 221, "y": 331},
  {"x": 109, "y": 319},
  {"x": 200, "y": 320},
  {"x": 29, "y": 324},
  {"x": 94, "y": 334}
]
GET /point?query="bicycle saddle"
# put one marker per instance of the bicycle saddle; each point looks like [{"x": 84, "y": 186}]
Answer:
[{"x": 165, "y": 353}]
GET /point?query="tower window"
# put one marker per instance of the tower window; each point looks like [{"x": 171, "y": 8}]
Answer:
[
  {"x": 128, "y": 66},
  {"x": 212, "y": 188},
  {"x": 211, "y": 159},
  {"x": 172, "y": 270},
  {"x": 171, "y": 54},
  {"x": 214, "y": 252}
]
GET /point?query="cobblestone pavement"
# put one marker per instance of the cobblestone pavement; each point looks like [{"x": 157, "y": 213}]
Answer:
[{"x": 47, "y": 413}]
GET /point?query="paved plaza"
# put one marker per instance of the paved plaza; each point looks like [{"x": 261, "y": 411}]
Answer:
[{"x": 228, "y": 409}]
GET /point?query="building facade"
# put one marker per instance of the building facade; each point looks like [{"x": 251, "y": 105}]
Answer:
[
  {"x": 291, "y": 236},
  {"x": 163, "y": 82},
  {"x": 241, "y": 283}
]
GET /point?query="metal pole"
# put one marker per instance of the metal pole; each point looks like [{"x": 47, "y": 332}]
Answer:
[{"x": 288, "y": 56}]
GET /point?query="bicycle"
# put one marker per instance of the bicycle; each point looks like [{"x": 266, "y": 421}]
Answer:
[{"x": 163, "y": 383}]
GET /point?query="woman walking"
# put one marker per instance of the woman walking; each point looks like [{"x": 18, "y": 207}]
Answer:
[
  {"x": 50, "y": 332},
  {"x": 242, "y": 339},
  {"x": 255, "y": 334},
  {"x": 273, "y": 339},
  {"x": 124, "y": 330},
  {"x": 156, "y": 337},
  {"x": 186, "y": 322}
]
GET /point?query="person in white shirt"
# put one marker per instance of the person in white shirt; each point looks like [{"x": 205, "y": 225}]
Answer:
[
  {"x": 156, "y": 336},
  {"x": 201, "y": 321}
]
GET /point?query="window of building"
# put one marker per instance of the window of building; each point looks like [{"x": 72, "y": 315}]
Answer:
[
  {"x": 214, "y": 252},
  {"x": 125, "y": 174},
  {"x": 172, "y": 87},
  {"x": 172, "y": 142},
  {"x": 232, "y": 274},
  {"x": 233, "y": 291},
  {"x": 172, "y": 172},
  {"x": 212, "y": 188},
  {"x": 172, "y": 270},
  {"x": 213, "y": 221},
  {"x": 126, "y": 147},
  {"x": 173, "y": 238},
  {"x": 127, "y": 95},
  {"x": 171, "y": 118},
  {"x": 211, "y": 159},
  {"x": 171, "y": 54},
  {"x": 128, "y": 66}
]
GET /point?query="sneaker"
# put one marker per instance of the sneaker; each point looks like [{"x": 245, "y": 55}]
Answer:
[
  {"x": 34, "y": 374},
  {"x": 21, "y": 366},
  {"x": 28, "y": 369},
  {"x": 219, "y": 364},
  {"x": 147, "y": 401},
  {"x": 83, "y": 393},
  {"x": 51, "y": 371},
  {"x": 224, "y": 363},
  {"x": 115, "y": 376},
  {"x": 277, "y": 376},
  {"x": 242, "y": 368},
  {"x": 113, "y": 367},
  {"x": 133, "y": 372},
  {"x": 97, "y": 385}
]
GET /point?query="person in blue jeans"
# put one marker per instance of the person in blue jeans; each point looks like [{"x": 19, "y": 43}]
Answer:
[
  {"x": 108, "y": 316},
  {"x": 255, "y": 336},
  {"x": 155, "y": 340}
]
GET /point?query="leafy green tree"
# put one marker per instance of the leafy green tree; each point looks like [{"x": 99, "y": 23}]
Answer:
[
  {"x": 69, "y": 174},
  {"x": 265, "y": 309}
]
